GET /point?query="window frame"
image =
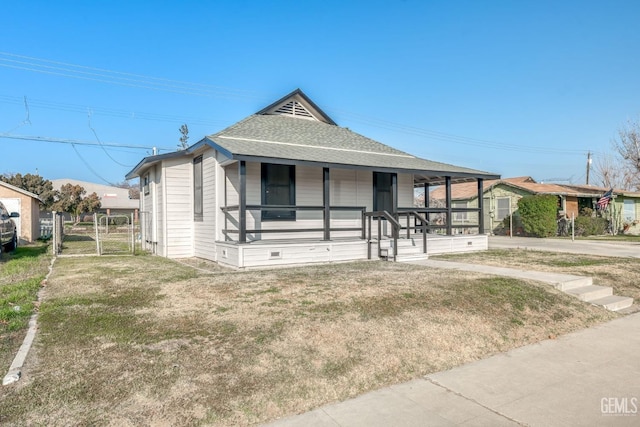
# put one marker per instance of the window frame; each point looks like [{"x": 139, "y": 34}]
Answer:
[
  {"x": 460, "y": 216},
  {"x": 198, "y": 193},
  {"x": 273, "y": 215},
  {"x": 628, "y": 203},
  {"x": 498, "y": 209}
]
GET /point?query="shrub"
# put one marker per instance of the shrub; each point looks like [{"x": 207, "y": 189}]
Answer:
[
  {"x": 538, "y": 215},
  {"x": 590, "y": 226}
]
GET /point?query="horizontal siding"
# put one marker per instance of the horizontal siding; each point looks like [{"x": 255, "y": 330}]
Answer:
[
  {"x": 405, "y": 190},
  {"x": 179, "y": 201},
  {"x": 204, "y": 232}
]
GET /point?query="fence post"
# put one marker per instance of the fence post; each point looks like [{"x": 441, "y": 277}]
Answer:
[
  {"x": 133, "y": 237},
  {"x": 95, "y": 225}
]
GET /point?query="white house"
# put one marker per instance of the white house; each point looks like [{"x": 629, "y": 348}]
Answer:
[{"x": 286, "y": 185}]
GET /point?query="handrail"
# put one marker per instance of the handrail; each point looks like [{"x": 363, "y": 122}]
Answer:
[{"x": 395, "y": 227}]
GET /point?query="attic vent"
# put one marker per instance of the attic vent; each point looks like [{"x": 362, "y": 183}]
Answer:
[{"x": 294, "y": 108}]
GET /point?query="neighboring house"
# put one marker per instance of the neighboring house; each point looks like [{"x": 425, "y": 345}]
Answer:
[
  {"x": 113, "y": 200},
  {"x": 500, "y": 199},
  {"x": 27, "y": 205},
  {"x": 286, "y": 185}
]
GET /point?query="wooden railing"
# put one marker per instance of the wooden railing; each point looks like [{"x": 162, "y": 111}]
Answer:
[{"x": 228, "y": 209}]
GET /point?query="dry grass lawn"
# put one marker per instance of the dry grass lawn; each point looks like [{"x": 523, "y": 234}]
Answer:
[
  {"x": 622, "y": 274},
  {"x": 129, "y": 341}
]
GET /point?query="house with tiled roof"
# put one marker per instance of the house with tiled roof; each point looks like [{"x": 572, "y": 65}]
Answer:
[
  {"x": 500, "y": 199},
  {"x": 287, "y": 185}
]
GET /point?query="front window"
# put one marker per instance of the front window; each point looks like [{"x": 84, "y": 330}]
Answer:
[
  {"x": 503, "y": 208},
  {"x": 629, "y": 212},
  {"x": 278, "y": 189},
  {"x": 459, "y": 216}
]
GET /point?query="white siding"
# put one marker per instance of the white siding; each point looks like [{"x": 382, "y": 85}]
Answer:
[
  {"x": 179, "y": 210},
  {"x": 275, "y": 254},
  {"x": 204, "y": 232},
  {"x": 405, "y": 190},
  {"x": 159, "y": 211}
]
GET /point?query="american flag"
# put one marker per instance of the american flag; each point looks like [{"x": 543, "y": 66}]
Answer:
[{"x": 603, "y": 201}]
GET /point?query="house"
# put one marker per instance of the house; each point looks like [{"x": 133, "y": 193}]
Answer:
[
  {"x": 113, "y": 200},
  {"x": 500, "y": 199},
  {"x": 27, "y": 205},
  {"x": 287, "y": 185}
]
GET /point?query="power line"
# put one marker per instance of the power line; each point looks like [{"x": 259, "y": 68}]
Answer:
[
  {"x": 103, "y": 75},
  {"x": 65, "y": 69},
  {"x": 111, "y": 112},
  {"x": 78, "y": 142}
]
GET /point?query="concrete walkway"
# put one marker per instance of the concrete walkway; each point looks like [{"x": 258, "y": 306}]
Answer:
[
  {"x": 589, "y": 247},
  {"x": 591, "y": 377}
]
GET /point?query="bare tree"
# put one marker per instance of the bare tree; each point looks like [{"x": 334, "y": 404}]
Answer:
[
  {"x": 615, "y": 172},
  {"x": 628, "y": 147}
]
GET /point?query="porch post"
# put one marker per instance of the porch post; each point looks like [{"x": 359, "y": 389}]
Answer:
[
  {"x": 480, "y": 207},
  {"x": 448, "y": 203},
  {"x": 242, "y": 202},
  {"x": 326, "y": 203},
  {"x": 426, "y": 194},
  {"x": 394, "y": 192}
]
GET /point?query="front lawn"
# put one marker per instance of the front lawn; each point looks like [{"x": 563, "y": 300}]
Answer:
[{"x": 147, "y": 341}]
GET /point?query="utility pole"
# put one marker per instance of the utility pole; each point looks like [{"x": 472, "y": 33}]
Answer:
[{"x": 588, "y": 165}]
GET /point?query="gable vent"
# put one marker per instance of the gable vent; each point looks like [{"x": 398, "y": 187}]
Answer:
[{"x": 294, "y": 108}]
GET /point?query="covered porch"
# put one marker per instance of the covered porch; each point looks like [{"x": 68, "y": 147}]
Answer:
[{"x": 320, "y": 227}]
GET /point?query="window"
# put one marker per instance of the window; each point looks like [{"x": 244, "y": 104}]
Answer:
[
  {"x": 503, "y": 208},
  {"x": 278, "y": 188},
  {"x": 197, "y": 188},
  {"x": 145, "y": 184},
  {"x": 460, "y": 216},
  {"x": 629, "y": 212}
]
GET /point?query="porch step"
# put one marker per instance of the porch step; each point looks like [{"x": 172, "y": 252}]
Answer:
[
  {"x": 613, "y": 302},
  {"x": 573, "y": 283},
  {"x": 590, "y": 293},
  {"x": 412, "y": 257}
]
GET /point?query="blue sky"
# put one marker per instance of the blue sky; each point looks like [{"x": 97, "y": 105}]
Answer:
[{"x": 510, "y": 87}]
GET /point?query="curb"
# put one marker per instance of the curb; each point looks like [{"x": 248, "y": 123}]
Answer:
[{"x": 15, "y": 370}]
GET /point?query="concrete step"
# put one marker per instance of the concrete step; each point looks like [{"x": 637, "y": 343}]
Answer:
[
  {"x": 613, "y": 302},
  {"x": 577, "y": 282},
  {"x": 411, "y": 257},
  {"x": 590, "y": 293}
]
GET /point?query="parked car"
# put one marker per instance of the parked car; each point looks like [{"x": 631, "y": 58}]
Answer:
[{"x": 8, "y": 230}]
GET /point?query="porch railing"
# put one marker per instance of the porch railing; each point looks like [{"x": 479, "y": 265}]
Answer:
[{"x": 228, "y": 209}]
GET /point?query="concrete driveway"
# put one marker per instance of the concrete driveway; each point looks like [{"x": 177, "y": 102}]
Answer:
[{"x": 589, "y": 247}]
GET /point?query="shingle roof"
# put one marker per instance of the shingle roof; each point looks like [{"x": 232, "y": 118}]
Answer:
[
  {"x": 282, "y": 137},
  {"x": 466, "y": 191},
  {"x": 271, "y": 136}
]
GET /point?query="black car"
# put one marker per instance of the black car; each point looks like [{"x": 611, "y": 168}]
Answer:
[{"x": 8, "y": 230}]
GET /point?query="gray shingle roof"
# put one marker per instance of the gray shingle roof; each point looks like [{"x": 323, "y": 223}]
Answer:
[{"x": 282, "y": 137}]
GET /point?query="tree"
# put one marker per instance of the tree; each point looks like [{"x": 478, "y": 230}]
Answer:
[
  {"x": 184, "y": 137},
  {"x": 70, "y": 199},
  {"x": 614, "y": 172},
  {"x": 134, "y": 189},
  {"x": 34, "y": 184},
  {"x": 628, "y": 147}
]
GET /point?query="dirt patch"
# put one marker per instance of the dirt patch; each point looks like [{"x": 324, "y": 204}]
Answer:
[{"x": 144, "y": 340}]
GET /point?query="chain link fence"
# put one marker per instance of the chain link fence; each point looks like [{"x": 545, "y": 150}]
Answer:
[{"x": 104, "y": 235}]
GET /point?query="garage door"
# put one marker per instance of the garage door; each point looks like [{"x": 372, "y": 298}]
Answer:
[{"x": 14, "y": 205}]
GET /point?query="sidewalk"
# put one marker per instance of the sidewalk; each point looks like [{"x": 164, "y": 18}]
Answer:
[
  {"x": 589, "y": 247},
  {"x": 590, "y": 377}
]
